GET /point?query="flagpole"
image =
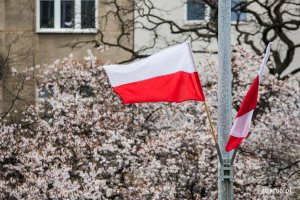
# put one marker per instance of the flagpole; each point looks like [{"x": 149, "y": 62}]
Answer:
[
  {"x": 225, "y": 172},
  {"x": 211, "y": 124}
]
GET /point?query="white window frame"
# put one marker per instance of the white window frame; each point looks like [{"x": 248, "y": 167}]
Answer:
[
  {"x": 57, "y": 17},
  {"x": 190, "y": 22}
]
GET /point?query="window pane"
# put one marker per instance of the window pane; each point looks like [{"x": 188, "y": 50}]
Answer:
[
  {"x": 67, "y": 13},
  {"x": 47, "y": 13},
  {"x": 195, "y": 10},
  {"x": 87, "y": 13},
  {"x": 235, "y": 4}
]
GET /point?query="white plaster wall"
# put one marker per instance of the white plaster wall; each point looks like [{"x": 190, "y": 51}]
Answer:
[{"x": 176, "y": 10}]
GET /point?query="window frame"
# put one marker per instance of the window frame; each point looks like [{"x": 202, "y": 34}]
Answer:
[
  {"x": 191, "y": 22},
  {"x": 57, "y": 19}
]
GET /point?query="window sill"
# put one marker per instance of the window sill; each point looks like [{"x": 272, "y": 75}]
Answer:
[
  {"x": 240, "y": 22},
  {"x": 52, "y": 30},
  {"x": 192, "y": 23},
  {"x": 201, "y": 22}
]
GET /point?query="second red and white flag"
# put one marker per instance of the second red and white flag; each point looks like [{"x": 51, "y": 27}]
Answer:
[{"x": 241, "y": 125}]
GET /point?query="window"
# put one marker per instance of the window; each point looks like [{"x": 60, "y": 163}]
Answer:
[
  {"x": 67, "y": 12},
  {"x": 87, "y": 20},
  {"x": 196, "y": 10},
  {"x": 236, "y": 14},
  {"x": 66, "y": 16},
  {"x": 47, "y": 14}
]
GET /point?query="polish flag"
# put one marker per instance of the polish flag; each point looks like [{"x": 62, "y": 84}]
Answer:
[
  {"x": 241, "y": 125},
  {"x": 167, "y": 76}
]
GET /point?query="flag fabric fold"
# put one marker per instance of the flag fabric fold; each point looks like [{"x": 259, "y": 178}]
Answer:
[
  {"x": 241, "y": 125},
  {"x": 167, "y": 76}
]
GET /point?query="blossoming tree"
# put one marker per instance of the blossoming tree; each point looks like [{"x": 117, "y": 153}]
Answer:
[{"x": 80, "y": 142}]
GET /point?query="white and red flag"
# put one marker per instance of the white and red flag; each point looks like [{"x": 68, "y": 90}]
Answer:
[
  {"x": 167, "y": 76},
  {"x": 241, "y": 125}
]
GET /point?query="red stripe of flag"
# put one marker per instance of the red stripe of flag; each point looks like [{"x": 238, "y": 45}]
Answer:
[
  {"x": 233, "y": 143},
  {"x": 176, "y": 87},
  {"x": 250, "y": 101}
]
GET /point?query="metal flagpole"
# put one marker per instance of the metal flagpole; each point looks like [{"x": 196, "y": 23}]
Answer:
[{"x": 225, "y": 177}]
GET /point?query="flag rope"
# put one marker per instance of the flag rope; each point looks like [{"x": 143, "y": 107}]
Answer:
[{"x": 211, "y": 124}]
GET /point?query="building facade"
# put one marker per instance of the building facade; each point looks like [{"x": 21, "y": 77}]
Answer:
[
  {"x": 36, "y": 32},
  {"x": 170, "y": 22}
]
